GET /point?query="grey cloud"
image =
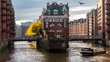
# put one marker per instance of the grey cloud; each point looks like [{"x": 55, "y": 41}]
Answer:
[
  {"x": 79, "y": 12},
  {"x": 32, "y": 9}
]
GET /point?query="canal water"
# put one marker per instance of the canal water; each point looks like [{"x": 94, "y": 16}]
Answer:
[{"x": 24, "y": 53}]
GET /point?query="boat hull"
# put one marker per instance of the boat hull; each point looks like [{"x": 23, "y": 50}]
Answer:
[{"x": 87, "y": 53}]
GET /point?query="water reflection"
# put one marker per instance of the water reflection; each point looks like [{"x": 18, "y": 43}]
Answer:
[
  {"x": 57, "y": 57},
  {"x": 26, "y": 54}
]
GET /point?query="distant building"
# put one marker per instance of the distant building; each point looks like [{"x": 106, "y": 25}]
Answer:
[
  {"x": 26, "y": 23},
  {"x": 21, "y": 30},
  {"x": 104, "y": 20},
  {"x": 24, "y": 27},
  {"x": 7, "y": 22},
  {"x": 18, "y": 31},
  {"x": 101, "y": 18},
  {"x": 78, "y": 28},
  {"x": 92, "y": 23},
  {"x": 107, "y": 19}
]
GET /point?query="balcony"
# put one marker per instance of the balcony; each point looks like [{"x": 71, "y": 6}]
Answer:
[
  {"x": 108, "y": 29},
  {"x": 108, "y": 22},
  {"x": 107, "y": 18},
  {"x": 108, "y": 3},
  {"x": 108, "y": 13},
  {"x": 3, "y": 7},
  {"x": 108, "y": 6}
]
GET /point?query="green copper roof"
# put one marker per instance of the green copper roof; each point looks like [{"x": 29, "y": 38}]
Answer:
[
  {"x": 64, "y": 8},
  {"x": 54, "y": 6}
]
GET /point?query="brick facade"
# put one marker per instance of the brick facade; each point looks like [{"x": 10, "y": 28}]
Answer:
[
  {"x": 55, "y": 20},
  {"x": 78, "y": 28},
  {"x": 7, "y": 23},
  {"x": 92, "y": 23}
]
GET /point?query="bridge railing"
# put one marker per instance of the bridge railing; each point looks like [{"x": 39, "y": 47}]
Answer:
[
  {"x": 25, "y": 39},
  {"x": 84, "y": 37}
]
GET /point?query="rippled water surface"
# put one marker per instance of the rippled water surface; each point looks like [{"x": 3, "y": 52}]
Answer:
[{"x": 23, "y": 53}]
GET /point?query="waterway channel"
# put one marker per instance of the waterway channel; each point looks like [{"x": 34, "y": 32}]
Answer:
[{"x": 23, "y": 53}]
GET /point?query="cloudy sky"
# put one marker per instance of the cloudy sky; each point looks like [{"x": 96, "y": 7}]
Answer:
[{"x": 32, "y": 9}]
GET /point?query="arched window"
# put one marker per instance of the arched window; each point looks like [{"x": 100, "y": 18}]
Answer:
[
  {"x": 60, "y": 25},
  {"x": 57, "y": 19},
  {"x": 51, "y": 20},
  {"x": 51, "y": 25},
  {"x": 55, "y": 11},
  {"x": 61, "y": 19}
]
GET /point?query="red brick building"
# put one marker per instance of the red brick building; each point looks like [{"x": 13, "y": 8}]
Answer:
[
  {"x": 92, "y": 23},
  {"x": 7, "y": 23},
  {"x": 104, "y": 20},
  {"x": 56, "y": 20},
  {"x": 107, "y": 19},
  {"x": 56, "y": 25},
  {"x": 78, "y": 27}
]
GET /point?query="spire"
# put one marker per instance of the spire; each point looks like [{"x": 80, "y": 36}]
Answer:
[{"x": 64, "y": 8}]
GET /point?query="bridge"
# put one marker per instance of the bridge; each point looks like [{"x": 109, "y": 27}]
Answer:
[
  {"x": 25, "y": 39},
  {"x": 71, "y": 38},
  {"x": 88, "y": 38},
  {"x": 85, "y": 38}
]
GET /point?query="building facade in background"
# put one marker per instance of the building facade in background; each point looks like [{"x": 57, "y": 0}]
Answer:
[
  {"x": 21, "y": 29},
  {"x": 18, "y": 31},
  {"x": 24, "y": 27},
  {"x": 7, "y": 22},
  {"x": 78, "y": 28},
  {"x": 104, "y": 20},
  {"x": 92, "y": 23},
  {"x": 101, "y": 18}
]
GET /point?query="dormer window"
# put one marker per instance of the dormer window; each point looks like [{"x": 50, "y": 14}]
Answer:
[
  {"x": 55, "y": 12},
  {"x": 64, "y": 9}
]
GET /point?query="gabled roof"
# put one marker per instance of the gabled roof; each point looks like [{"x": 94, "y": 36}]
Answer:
[{"x": 54, "y": 6}]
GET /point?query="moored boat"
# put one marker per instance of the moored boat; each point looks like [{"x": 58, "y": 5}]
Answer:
[
  {"x": 92, "y": 51},
  {"x": 87, "y": 51}
]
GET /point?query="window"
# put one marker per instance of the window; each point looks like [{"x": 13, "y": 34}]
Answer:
[
  {"x": 60, "y": 25},
  {"x": 49, "y": 12},
  {"x": 59, "y": 30},
  {"x": 51, "y": 25},
  {"x": 46, "y": 19},
  {"x": 64, "y": 22},
  {"x": 58, "y": 36},
  {"x": 53, "y": 19},
  {"x": 57, "y": 19},
  {"x": 46, "y": 24},
  {"x": 52, "y": 30},
  {"x": 61, "y": 20},
  {"x": 50, "y": 20},
  {"x": 55, "y": 12}
]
